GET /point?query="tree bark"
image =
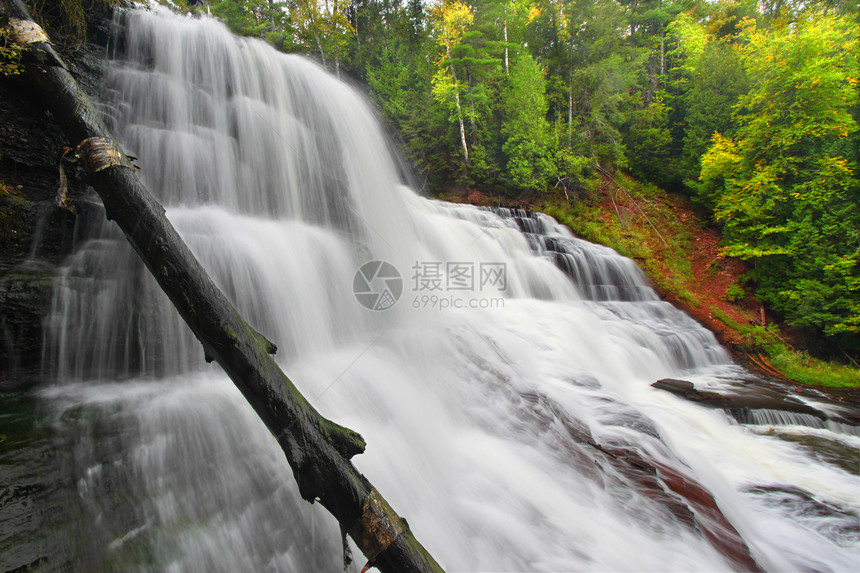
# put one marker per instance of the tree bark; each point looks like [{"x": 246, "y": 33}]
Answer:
[
  {"x": 570, "y": 107},
  {"x": 317, "y": 449},
  {"x": 474, "y": 125},
  {"x": 507, "y": 68},
  {"x": 457, "y": 101}
]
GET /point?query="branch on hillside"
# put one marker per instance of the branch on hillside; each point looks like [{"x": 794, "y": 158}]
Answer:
[{"x": 606, "y": 175}]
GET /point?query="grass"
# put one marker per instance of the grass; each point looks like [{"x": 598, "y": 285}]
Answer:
[
  {"x": 795, "y": 364},
  {"x": 803, "y": 368}
]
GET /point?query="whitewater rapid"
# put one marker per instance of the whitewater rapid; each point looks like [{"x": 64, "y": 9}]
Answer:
[{"x": 282, "y": 183}]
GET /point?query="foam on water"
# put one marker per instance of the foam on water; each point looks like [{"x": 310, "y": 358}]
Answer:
[{"x": 280, "y": 180}]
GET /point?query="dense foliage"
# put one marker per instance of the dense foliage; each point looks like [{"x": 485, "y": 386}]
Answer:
[
  {"x": 748, "y": 107},
  {"x": 784, "y": 185}
]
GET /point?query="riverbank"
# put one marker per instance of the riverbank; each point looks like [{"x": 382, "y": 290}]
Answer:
[{"x": 680, "y": 253}]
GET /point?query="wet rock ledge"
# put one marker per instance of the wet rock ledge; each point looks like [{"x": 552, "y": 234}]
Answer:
[
  {"x": 762, "y": 402},
  {"x": 35, "y": 233}
]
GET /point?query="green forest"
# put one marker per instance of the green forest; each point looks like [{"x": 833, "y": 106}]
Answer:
[{"x": 748, "y": 108}]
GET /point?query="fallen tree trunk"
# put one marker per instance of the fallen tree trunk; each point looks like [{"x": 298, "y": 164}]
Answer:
[{"x": 317, "y": 449}]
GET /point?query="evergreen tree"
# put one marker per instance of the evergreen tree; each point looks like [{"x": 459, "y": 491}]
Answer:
[
  {"x": 707, "y": 79},
  {"x": 606, "y": 69},
  {"x": 527, "y": 141}
]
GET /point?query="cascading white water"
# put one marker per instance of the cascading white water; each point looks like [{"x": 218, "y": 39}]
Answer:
[{"x": 483, "y": 397}]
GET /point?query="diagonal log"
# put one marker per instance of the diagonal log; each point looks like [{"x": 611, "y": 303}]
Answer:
[{"x": 317, "y": 449}]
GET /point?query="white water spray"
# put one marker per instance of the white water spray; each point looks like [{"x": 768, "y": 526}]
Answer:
[{"x": 481, "y": 393}]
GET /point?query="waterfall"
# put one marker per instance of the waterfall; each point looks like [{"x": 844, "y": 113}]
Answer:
[{"x": 501, "y": 375}]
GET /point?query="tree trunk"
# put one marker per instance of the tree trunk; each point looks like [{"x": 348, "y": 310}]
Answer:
[
  {"x": 473, "y": 113},
  {"x": 317, "y": 449},
  {"x": 662, "y": 52},
  {"x": 662, "y": 45},
  {"x": 320, "y": 48},
  {"x": 507, "y": 69},
  {"x": 459, "y": 107},
  {"x": 570, "y": 107},
  {"x": 355, "y": 27}
]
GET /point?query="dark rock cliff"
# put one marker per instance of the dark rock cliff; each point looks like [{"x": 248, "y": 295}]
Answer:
[{"x": 35, "y": 233}]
